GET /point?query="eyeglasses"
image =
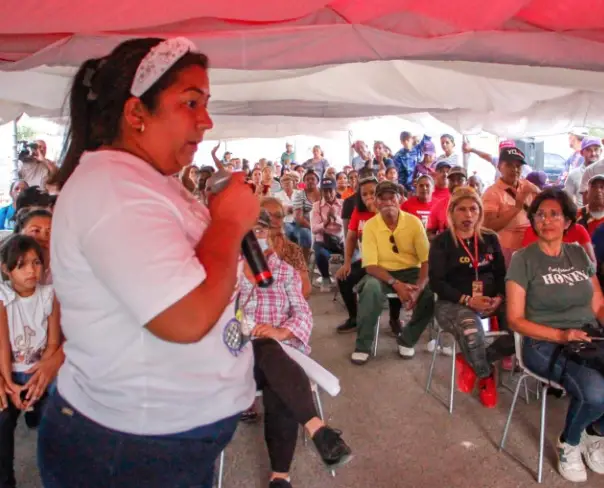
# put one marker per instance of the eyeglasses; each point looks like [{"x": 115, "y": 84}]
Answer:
[
  {"x": 553, "y": 215},
  {"x": 276, "y": 215},
  {"x": 393, "y": 242}
]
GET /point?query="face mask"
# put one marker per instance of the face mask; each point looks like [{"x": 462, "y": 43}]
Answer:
[{"x": 263, "y": 244}]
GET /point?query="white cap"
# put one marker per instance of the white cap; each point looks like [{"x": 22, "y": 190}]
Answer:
[{"x": 579, "y": 131}]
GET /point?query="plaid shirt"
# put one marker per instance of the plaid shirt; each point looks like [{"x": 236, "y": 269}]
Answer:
[
  {"x": 281, "y": 304},
  {"x": 405, "y": 161}
]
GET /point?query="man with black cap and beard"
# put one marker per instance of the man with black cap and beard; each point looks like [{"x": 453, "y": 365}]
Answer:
[{"x": 507, "y": 200}]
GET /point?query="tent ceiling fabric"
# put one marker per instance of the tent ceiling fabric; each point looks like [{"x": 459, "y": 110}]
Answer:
[{"x": 504, "y": 66}]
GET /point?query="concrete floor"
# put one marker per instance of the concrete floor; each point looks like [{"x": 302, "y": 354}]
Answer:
[{"x": 401, "y": 437}]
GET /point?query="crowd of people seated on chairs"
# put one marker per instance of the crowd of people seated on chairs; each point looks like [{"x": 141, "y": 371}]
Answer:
[
  {"x": 413, "y": 230},
  {"x": 446, "y": 252}
]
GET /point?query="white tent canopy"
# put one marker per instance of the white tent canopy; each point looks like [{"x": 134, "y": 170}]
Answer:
[{"x": 514, "y": 68}]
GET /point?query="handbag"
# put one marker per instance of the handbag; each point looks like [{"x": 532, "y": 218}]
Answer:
[
  {"x": 333, "y": 244},
  {"x": 588, "y": 354}
]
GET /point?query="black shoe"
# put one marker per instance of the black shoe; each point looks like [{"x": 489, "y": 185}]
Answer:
[
  {"x": 32, "y": 419},
  {"x": 395, "y": 326},
  {"x": 346, "y": 327},
  {"x": 279, "y": 483},
  {"x": 333, "y": 450},
  {"x": 250, "y": 416}
]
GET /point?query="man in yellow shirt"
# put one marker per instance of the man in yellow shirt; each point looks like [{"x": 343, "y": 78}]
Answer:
[{"x": 395, "y": 256}]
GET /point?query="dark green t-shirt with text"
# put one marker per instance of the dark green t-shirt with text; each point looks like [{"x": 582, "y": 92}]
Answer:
[{"x": 558, "y": 289}]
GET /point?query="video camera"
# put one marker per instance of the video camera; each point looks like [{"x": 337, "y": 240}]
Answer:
[{"x": 27, "y": 151}]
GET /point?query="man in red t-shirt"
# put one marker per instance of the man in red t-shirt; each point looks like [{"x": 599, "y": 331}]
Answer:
[
  {"x": 592, "y": 215},
  {"x": 441, "y": 185},
  {"x": 438, "y": 216},
  {"x": 421, "y": 204}
]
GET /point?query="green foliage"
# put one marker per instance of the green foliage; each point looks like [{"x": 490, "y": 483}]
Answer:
[{"x": 25, "y": 133}]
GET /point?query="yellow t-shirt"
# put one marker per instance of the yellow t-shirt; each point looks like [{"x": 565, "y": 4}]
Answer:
[{"x": 410, "y": 238}]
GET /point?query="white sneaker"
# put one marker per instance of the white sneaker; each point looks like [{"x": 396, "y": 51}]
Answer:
[
  {"x": 406, "y": 352},
  {"x": 592, "y": 447},
  {"x": 570, "y": 464},
  {"x": 445, "y": 351},
  {"x": 359, "y": 357}
]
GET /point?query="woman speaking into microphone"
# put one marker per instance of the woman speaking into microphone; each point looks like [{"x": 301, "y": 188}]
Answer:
[{"x": 156, "y": 366}]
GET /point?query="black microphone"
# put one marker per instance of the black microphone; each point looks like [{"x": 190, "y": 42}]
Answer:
[{"x": 249, "y": 246}]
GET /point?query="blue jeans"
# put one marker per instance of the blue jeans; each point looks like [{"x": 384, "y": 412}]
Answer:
[
  {"x": 291, "y": 232},
  {"x": 8, "y": 422},
  {"x": 322, "y": 256},
  {"x": 584, "y": 385},
  {"x": 302, "y": 235},
  {"x": 75, "y": 452}
]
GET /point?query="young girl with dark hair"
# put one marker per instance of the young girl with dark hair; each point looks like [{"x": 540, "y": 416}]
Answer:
[
  {"x": 155, "y": 364},
  {"x": 36, "y": 223},
  {"x": 29, "y": 334}
]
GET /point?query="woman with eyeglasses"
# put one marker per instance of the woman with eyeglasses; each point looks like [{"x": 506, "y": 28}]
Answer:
[
  {"x": 554, "y": 298},
  {"x": 288, "y": 251},
  {"x": 280, "y": 314}
]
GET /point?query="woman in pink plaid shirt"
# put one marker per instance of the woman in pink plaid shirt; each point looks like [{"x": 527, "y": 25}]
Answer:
[{"x": 281, "y": 314}]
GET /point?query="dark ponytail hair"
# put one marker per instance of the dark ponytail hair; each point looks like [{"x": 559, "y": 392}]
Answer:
[
  {"x": 99, "y": 92},
  {"x": 14, "y": 248}
]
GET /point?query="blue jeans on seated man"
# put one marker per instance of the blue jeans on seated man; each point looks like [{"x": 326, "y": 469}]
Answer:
[
  {"x": 322, "y": 256},
  {"x": 76, "y": 452},
  {"x": 8, "y": 422},
  {"x": 584, "y": 385}
]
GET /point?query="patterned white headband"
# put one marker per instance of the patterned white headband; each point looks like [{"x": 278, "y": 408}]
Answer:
[{"x": 159, "y": 60}]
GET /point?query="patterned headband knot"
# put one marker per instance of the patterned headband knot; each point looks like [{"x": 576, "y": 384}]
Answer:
[{"x": 159, "y": 60}]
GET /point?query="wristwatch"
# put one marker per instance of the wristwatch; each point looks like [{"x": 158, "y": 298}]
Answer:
[{"x": 392, "y": 281}]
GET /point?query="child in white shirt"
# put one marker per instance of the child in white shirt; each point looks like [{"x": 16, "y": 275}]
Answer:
[{"x": 29, "y": 333}]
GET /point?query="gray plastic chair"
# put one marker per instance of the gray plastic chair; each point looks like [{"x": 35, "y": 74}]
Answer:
[{"x": 545, "y": 386}]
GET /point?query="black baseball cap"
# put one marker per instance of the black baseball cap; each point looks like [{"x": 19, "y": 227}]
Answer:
[
  {"x": 388, "y": 186},
  {"x": 512, "y": 154},
  {"x": 328, "y": 184},
  {"x": 442, "y": 163}
]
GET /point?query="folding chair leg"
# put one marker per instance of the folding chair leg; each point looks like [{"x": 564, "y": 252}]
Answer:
[
  {"x": 509, "y": 420},
  {"x": 376, "y": 337},
  {"x": 452, "y": 392},
  {"x": 434, "y": 353},
  {"x": 542, "y": 433},
  {"x": 220, "y": 469},
  {"x": 319, "y": 404}
]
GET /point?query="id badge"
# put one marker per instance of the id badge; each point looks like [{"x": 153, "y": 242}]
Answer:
[{"x": 477, "y": 288}]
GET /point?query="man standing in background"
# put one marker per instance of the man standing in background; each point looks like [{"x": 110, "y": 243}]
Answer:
[{"x": 591, "y": 151}]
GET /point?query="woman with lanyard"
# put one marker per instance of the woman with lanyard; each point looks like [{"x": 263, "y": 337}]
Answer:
[
  {"x": 155, "y": 374},
  {"x": 467, "y": 272}
]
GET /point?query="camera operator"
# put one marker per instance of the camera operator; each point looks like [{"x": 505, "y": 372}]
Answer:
[{"x": 34, "y": 168}]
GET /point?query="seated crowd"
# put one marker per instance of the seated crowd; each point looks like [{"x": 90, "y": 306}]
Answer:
[{"x": 411, "y": 229}]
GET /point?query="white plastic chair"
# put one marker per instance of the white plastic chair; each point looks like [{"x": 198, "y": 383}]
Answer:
[
  {"x": 320, "y": 378},
  {"x": 440, "y": 331},
  {"x": 545, "y": 385},
  {"x": 374, "y": 348}
]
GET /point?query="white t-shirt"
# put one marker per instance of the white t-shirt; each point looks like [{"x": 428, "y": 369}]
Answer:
[
  {"x": 34, "y": 173},
  {"x": 573, "y": 182},
  {"x": 592, "y": 170},
  {"x": 287, "y": 203},
  {"x": 123, "y": 251},
  {"x": 27, "y": 323}
]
